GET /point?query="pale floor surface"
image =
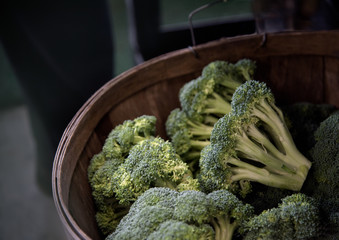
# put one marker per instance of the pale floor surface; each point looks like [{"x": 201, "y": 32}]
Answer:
[{"x": 25, "y": 212}]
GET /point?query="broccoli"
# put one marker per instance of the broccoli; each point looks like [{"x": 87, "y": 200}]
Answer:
[
  {"x": 228, "y": 76},
  {"x": 322, "y": 181},
  {"x": 103, "y": 165},
  {"x": 124, "y": 136},
  {"x": 187, "y": 136},
  {"x": 203, "y": 101},
  {"x": 208, "y": 97},
  {"x": 167, "y": 213},
  {"x": 246, "y": 68},
  {"x": 109, "y": 215},
  {"x": 296, "y": 217},
  {"x": 252, "y": 143},
  {"x": 151, "y": 163},
  {"x": 198, "y": 99}
]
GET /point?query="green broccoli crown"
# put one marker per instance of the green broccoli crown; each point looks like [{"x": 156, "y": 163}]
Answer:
[
  {"x": 156, "y": 196},
  {"x": 250, "y": 96},
  {"x": 213, "y": 216},
  {"x": 178, "y": 121},
  {"x": 124, "y": 136},
  {"x": 103, "y": 166},
  {"x": 192, "y": 207},
  {"x": 323, "y": 177},
  {"x": 255, "y": 141},
  {"x": 229, "y": 213},
  {"x": 151, "y": 163},
  {"x": 185, "y": 133},
  {"x": 295, "y": 218},
  {"x": 225, "y": 76},
  {"x": 244, "y": 149},
  {"x": 102, "y": 181},
  {"x": 221, "y": 209},
  {"x": 246, "y": 68},
  {"x": 229, "y": 76},
  {"x": 174, "y": 230},
  {"x": 95, "y": 163},
  {"x": 212, "y": 176},
  {"x": 198, "y": 99},
  {"x": 108, "y": 216}
]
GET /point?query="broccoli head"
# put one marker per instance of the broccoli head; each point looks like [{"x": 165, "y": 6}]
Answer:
[
  {"x": 124, "y": 136},
  {"x": 229, "y": 76},
  {"x": 151, "y": 163},
  {"x": 252, "y": 143},
  {"x": 322, "y": 182},
  {"x": 188, "y": 213},
  {"x": 296, "y": 217},
  {"x": 187, "y": 136},
  {"x": 103, "y": 165},
  {"x": 198, "y": 99}
]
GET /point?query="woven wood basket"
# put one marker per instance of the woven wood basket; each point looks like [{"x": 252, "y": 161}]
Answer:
[{"x": 298, "y": 66}]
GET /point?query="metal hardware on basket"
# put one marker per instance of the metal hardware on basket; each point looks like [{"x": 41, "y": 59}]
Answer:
[{"x": 190, "y": 16}]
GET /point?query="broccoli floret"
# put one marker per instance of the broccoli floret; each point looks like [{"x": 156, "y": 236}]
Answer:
[
  {"x": 322, "y": 181},
  {"x": 187, "y": 136},
  {"x": 229, "y": 213},
  {"x": 198, "y": 99},
  {"x": 96, "y": 162},
  {"x": 101, "y": 182},
  {"x": 193, "y": 213},
  {"x": 109, "y": 215},
  {"x": 151, "y": 163},
  {"x": 252, "y": 143},
  {"x": 178, "y": 121},
  {"x": 103, "y": 165},
  {"x": 228, "y": 76},
  {"x": 297, "y": 217},
  {"x": 124, "y": 136},
  {"x": 246, "y": 68}
]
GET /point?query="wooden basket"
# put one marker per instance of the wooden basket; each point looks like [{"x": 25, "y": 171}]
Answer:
[{"x": 298, "y": 66}]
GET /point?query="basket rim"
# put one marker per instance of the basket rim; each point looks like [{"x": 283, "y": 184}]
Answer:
[{"x": 260, "y": 41}]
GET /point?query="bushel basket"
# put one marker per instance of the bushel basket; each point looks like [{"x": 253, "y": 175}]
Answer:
[{"x": 297, "y": 66}]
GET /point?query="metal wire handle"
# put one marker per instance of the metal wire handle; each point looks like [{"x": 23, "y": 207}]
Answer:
[{"x": 190, "y": 16}]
